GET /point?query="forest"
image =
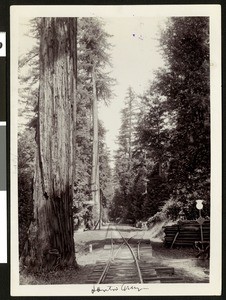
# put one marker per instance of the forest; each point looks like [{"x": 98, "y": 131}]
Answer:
[{"x": 65, "y": 177}]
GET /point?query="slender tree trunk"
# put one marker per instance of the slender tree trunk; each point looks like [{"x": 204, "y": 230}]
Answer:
[
  {"x": 131, "y": 104},
  {"x": 51, "y": 233},
  {"x": 95, "y": 164},
  {"x": 130, "y": 128},
  {"x": 145, "y": 173}
]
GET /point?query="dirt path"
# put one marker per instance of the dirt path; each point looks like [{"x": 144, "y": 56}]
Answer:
[{"x": 90, "y": 247}]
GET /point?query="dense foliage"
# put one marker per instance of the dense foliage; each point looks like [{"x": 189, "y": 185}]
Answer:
[
  {"x": 26, "y": 154},
  {"x": 172, "y": 131}
]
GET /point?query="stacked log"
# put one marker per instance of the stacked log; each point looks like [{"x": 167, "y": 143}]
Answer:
[{"x": 186, "y": 233}]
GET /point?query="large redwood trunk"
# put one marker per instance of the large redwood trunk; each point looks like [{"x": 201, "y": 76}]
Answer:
[{"x": 51, "y": 233}]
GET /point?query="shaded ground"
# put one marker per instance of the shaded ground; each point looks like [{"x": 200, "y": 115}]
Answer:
[
  {"x": 184, "y": 261},
  {"x": 90, "y": 247},
  {"x": 85, "y": 259}
]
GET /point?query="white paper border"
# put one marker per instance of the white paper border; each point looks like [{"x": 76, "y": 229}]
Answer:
[{"x": 212, "y": 11}]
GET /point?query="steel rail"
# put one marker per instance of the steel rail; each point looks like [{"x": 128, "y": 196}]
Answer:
[
  {"x": 103, "y": 274},
  {"x": 123, "y": 244},
  {"x": 134, "y": 256},
  {"x": 112, "y": 256}
]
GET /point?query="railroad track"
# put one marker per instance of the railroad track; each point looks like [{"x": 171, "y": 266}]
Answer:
[{"x": 126, "y": 262}]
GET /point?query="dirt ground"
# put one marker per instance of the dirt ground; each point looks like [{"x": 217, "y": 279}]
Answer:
[
  {"x": 184, "y": 261},
  {"x": 90, "y": 247}
]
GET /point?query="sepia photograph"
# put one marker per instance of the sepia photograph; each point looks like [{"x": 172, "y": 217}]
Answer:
[{"x": 115, "y": 150}]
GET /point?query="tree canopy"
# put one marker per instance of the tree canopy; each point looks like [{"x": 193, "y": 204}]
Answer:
[{"x": 172, "y": 128}]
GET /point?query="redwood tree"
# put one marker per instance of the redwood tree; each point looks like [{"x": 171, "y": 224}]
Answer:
[
  {"x": 51, "y": 241},
  {"x": 94, "y": 85}
]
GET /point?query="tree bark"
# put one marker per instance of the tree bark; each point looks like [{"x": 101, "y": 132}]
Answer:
[
  {"x": 95, "y": 163},
  {"x": 51, "y": 233}
]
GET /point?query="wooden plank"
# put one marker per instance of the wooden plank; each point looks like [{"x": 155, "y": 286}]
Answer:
[
  {"x": 164, "y": 269},
  {"x": 163, "y": 278},
  {"x": 176, "y": 235}
]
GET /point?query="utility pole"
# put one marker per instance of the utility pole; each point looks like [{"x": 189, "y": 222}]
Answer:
[{"x": 95, "y": 165}]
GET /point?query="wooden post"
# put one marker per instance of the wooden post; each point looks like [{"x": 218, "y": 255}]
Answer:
[
  {"x": 200, "y": 215},
  {"x": 138, "y": 251},
  {"x": 174, "y": 240}
]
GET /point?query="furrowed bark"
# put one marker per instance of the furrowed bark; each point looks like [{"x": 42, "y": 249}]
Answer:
[{"x": 51, "y": 234}]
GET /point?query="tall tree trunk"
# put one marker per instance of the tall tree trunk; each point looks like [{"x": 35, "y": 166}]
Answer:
[
  {"x": 95, "y": 163},
  {"x": 51, "y": 232},
  {"x": 130, "y": 127},
  {"x": 131, "y": 107}
]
